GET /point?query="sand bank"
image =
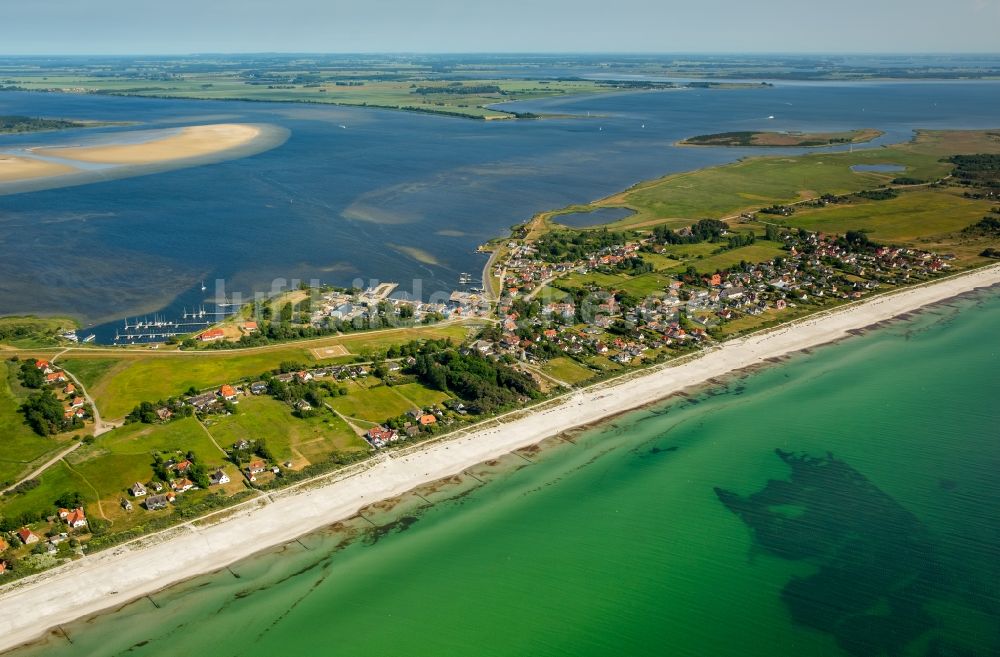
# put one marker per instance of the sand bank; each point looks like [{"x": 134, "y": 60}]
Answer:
[
  {"x": 193, "y": 141},
  {"x": 128, "y": 153},
  {"x": 13, "y": 168},
  {"x": 111, "y": 578}
]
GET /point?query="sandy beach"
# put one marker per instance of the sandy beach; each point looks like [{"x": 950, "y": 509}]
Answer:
[
  {"x": 193, "y": 141},
  {"x": 113, "y": 577},
  {"x": 14, "y": 168}
]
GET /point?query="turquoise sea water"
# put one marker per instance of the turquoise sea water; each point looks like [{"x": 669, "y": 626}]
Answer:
[{"x": 844, "y": 502}]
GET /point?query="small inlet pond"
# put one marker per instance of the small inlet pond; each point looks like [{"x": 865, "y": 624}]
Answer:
[
  {"x": 593, "y": 218},
  {"x": 878, "y": 168}
]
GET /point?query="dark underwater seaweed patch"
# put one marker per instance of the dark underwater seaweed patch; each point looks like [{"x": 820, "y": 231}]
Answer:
[{"x": 877, "y": 565}]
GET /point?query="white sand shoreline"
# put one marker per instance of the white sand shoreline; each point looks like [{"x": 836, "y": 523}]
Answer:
[{"x": 113, "y": 577}]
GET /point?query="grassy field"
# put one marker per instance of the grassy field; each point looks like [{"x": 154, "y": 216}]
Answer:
[
  {"x": 758, "y": 252},
  {"x": 150, "y": 375},
  {"x": 638, "y": 286},
  {"x": 421, "y": 396},
  {"x": 904, "y": 219},
  {"x": 568, "y": 370},
  {"x": 55, "y": 481},
  {"x": 371, "y": 402},
  {"x": 302, "y": 441},
  {"x": 19, "y": 445}
]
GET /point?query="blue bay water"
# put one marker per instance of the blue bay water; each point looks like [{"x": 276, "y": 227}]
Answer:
[
  {"x": 345, "y": 203},
  {"x": 842, "y": 503}
]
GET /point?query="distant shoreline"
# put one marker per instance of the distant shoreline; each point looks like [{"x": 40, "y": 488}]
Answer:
[{"x": 113, "y": 577}]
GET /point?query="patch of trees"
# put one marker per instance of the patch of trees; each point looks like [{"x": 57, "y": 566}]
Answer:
[
  {"x": 43, "y": 412},
  {"x": 146, "y": 412},
  {"x": 558, "y": 246},
  {"x": 906, "y": 180},
  {"x": 484, "y": 385},
  {"x": 705, "y": 230},
  {"x": 982, "y": 170},
  {"x": 857, "y": 239},
  {"x": 459, "y": 89},
  {"x": 10, "y": 124},
  {"x": 30, "y": 376},
  {"x": 880, "y": 194},
  {"x": 740, "y": 240},
  {"x": 777, "y": 209},
  {"x": 989, "y": 226},
  {"x": 245, "y": 453},
  {"x": 990, "y": 252},
  {"x": 69, "y": 500},
  {"x": 634, "y": 266},
  {"x": 744, "y": 138}
]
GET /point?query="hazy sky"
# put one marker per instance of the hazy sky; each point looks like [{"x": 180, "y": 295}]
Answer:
[{"x": 183, "y": 26}]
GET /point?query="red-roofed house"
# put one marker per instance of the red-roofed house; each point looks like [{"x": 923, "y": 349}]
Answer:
[
  {"x": 55, "y": 377},
  {"x": 427, "y": 419},
  {"x": 43, "y": 365},
  {"x": 3, "y": 567},
  {"x": 76, "y": 518},
  {"x": 183, "y": 466},
  {"x": 181, "y": 485},
  {"x": 250, "y": 327},
  {"x": 27, "y": 536},
  {"x": 227, "y": 392},
  {"x": 211, "y": 335},
  {"x": 69, "y": 389},
  {"x": 3, "y": 545}
]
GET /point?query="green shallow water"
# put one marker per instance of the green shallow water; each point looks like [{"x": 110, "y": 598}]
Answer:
[{"x": 695, "y": 528}]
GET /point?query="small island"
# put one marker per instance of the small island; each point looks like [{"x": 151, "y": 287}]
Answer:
[
  {"x": 783, "y": 139},
  {"x": 17, "y": 124}
]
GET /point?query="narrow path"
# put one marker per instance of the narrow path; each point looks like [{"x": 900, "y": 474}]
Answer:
[
  {"x": 100, "y": 426},
  {"x": 45, "y": 466},
  {"x": 210, "y": 436},
  {"x": 539, "y": 372},
  {"x": 97, "y": 493},
  {"x": 355, "y": 428}
]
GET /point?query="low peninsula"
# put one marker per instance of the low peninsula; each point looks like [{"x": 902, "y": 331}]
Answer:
[{"x": 783, "y": 139}]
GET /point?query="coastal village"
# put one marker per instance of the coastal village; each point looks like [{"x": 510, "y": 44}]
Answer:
[{"x": 557, "y": 310}]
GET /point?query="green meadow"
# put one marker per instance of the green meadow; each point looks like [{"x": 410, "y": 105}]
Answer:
[{"x": 300, "y": 440}]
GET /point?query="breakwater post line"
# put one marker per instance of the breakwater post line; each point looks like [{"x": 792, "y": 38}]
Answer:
[
  {"x": 363, "y": 517},
  {"x": 466, "y": 472},
  {"x": 523, "y": 457},
  {"x": 150, "y": 598},
  {"x": 304, "y": 546}
]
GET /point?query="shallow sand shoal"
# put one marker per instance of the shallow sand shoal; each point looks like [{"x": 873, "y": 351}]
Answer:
[
  {"x": 110, "y": 578},
  {"x": 193, "y": 141},
  {"x": 13, "y": 168}
]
